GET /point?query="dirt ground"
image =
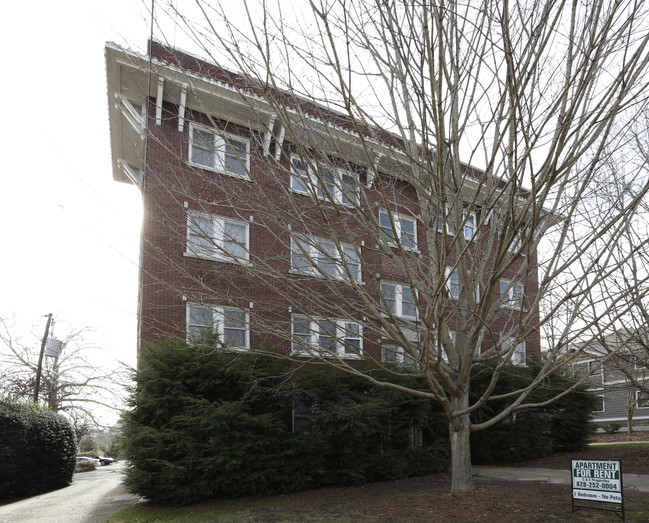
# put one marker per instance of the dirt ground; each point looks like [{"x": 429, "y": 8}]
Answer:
[{"x": 429, "y": 498}]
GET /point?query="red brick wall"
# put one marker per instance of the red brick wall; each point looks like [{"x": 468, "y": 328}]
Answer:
[{"x": 169, "y": 279}]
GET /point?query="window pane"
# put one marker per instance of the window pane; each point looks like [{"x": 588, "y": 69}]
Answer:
[
  {"x": 203, "y": 147},
  {"x": 299, "y": 176},
  {"x": 385, "y": 225},
  {"x": 350, "y": 189},
  {"x": 389, "y": 354},
  {"x": 408, "y": 233},
  {"x": 327, "y": 336},
  {"x": 517, "y": 296},
  {"x": 298, "y": 260},
  {"x": 236, "y": 157},
  {"x": 234, "y": 328},
  {"x": 408, "y": 307},
  {"x": 200, "y": 316},
  {"x": 390, "y": 295},
  {"x": 353, "y": 264},
  {"x": 469, "y": 226},
  {"x": 302, "y": 333},
  {"x": 352, "y": 338},
  {"x": 199, "y": 320},
  {"x": 234, "y": 240},
  {"x": 326, "y": 258},
  {"x": 201, "y": 234},
  {"x": 454, "y": 285},
  {"x": 327, "y": 181}
]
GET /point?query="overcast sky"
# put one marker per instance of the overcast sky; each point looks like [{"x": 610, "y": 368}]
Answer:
[{"x": 70, "y": 233}]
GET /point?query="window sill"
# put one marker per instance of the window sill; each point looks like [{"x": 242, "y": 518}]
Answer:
[
  {"x": 324, "y": 355},
  {"x": 244, "y": 263},
  {"x": 348, "y": 206},
  {"x": 336, "y": 279},
  {"x": 413, "y": 250},
  {"x": 244, "y": 177}
]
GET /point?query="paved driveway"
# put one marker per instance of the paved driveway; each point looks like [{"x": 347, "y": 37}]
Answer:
[{"x": 92, "y": 497}]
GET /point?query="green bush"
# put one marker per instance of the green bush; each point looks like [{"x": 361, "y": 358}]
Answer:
[
  {"x": 37, "y": 449},
  {"x": 561, "y": 426},
  {"x": 611, "y": 428},
  {"x": 207, "y": 423}
]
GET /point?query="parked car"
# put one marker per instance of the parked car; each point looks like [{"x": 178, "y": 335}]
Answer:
[
  {"x": 104, "y": 460},
  {"x": 86, "y": 459}
]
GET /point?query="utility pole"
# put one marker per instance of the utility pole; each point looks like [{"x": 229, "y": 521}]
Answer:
[{"x": 40, "y": 358}]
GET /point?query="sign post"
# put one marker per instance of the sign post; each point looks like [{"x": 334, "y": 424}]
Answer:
[{"x": 597, "y": 481}]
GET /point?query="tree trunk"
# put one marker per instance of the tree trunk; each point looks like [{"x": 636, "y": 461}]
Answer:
[
  {"x": 629, "y": 419},
  {"x": 459, "y": 432}
]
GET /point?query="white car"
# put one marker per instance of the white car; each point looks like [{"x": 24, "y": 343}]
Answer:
[{"x": 86, "y": 459}]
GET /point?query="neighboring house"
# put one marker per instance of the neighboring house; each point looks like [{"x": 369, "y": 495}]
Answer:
[
  {"x": 211, "y": 160},
  {"x": 618, "y": 374}
]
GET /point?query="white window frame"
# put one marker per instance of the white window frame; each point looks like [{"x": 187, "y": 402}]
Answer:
[
  {"x": 452, "y": 283},
  {"x": 218, "y": 151},
  {"x": 603, "y": 402},
  {"x": 399, "y": 356},
  {"x": 398, "y": 289},
  {"x": 590, "y": 374},
  {"x": 469, "y": 224},
  {"x": 315, "y": 331},
  {"x": 513, "y": 293},
  {"x": 387, "y": 233},
  {"x": 638, "y": 399},
  {"x": 519, "y": 356},
  {"x": 219, "y": 319},
  {"x": 302, "y": 182},
  {"x": 472, "y": 219},
  {"x": 216, "y": 247},
  {"x": 321, "y": 253}
]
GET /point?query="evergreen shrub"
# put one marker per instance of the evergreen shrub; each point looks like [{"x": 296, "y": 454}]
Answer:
[
  {"x": 561, "y": 426},
  {"x": 209, "y": 423},
  {"x": 37, "y": 449}
]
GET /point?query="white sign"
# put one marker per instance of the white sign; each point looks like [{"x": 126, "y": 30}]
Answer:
[
  {"x": 597, "y": 480},
  {"x": 596, "y": 495}
]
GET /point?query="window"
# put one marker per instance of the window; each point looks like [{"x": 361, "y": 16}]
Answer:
[
  {"x": 469, "y": 226},
  {"x": 302, "y": 417},
  {"x": 216, "y": 237},
  {"x": 511, "y": 294},
  {"x": 217, "y": 151},
  {"x": 643, "y": 399},
  {"x": 452, "y": 283},
  {"x": 599, "y": 403},
  {"x": 316, "y": 256},
  {"x": 397, "y": 356},
  {"x": 330, "y": 183},
  {"x": 448, "y": 220},
  {"x": 327, "y": 336},
  {"x": 405, "y": 228},
  {"x": 399, "y": 299},
  {"x": 229, "y": 322},
  {"x": 593, "y": 370},
  {"x": 519, "y": 357}
]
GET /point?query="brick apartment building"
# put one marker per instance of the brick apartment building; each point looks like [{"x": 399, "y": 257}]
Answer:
[{"x": 303, "y": 238}]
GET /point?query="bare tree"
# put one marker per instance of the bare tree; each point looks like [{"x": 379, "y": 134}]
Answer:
[
  {"x": 446, "y": 163},
  {"x": 71, "y": 384}
]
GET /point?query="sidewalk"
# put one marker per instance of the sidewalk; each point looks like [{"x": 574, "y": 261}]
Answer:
[{"x": 558, "y": 476}]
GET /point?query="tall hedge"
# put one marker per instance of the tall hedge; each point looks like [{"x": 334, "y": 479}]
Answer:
[
  {"x": 561, "y": 426},
  {"x": 37, "y": 449},
  {"x": 207, "y": 423}
]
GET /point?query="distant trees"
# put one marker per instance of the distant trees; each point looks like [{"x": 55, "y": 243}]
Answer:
[{"x": 72, "y": 384}]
